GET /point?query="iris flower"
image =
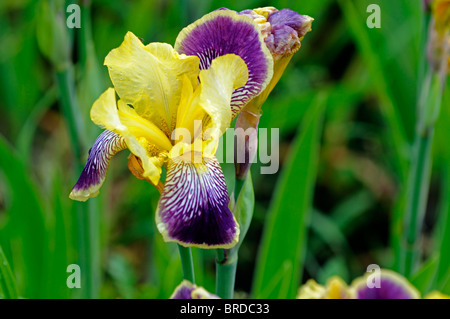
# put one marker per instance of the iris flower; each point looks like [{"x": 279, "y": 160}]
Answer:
[
  {"x": 391, "y": 286},
  {"x": 169, "y": 107}
]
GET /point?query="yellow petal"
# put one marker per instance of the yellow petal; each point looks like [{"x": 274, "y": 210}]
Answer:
[
  {"x": 189, "y": 111},
  {"x": 436, "y": 295},
  {"x": 227, "y": 72},
  {"x": 104, "y": 111},
  {"x": 152, "y": 73},
  {"x": 143, "y": 138},
  {"x": 140, "y": 127}
]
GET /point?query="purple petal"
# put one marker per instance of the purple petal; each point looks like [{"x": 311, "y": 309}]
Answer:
[
  {"x": 248, "y": 12},
  {"x": 187, "y": 290},
  {"x": 91, "y": 179},
  {"x": 283, "y": 39},
  {"x": 183, "y": 291},
  {"x": 223, "y": 32},
  {"x": 193, "y": 208},
  {"x": 391, "y": 286},
  {"x": 287, "y": 30},
  {"x": 291, "y": 19}
]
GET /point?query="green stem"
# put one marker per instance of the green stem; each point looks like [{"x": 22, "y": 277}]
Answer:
[
  {"x": 186, "y": 263},
  {"x": 226, "y": 265},
  {"x": 226, "y": 260},
  {"x": 417, "y": 200}
]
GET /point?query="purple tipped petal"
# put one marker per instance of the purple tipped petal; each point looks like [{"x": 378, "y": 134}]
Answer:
[
  {"x": 288, "y": 18},
  {"x": 282, "y": 39},
  {"x": 223, "y": 32},
  {"x": 287, "y": 29},
  {"x": 391, "y": 286},
  {"x": 91, "y": 179},
  {"x": 193, "y": 209}
]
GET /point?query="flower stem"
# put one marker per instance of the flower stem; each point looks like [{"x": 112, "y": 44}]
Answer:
[
  {"x": 186, "y": 263},
  {"x": 226, "y": 265},
  {"x": 417, "y": 200}
]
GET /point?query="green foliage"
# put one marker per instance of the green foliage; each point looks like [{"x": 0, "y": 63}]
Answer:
[{"x": 8, "y": 289}]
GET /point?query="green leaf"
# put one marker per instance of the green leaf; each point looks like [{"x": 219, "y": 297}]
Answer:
[
  {"x": 424, "y": 277},
  {"x": 122, "y": 274},
  {"x": 368, "y": 41},
  {"x": 329, "y": 231},
  {"x": 51, "y": 35},
  {"x": 334, "y": 267},
  {"x": 8, "y": 289},
  {"x": 24, "y": 236},
  {"x": 443, "y": 269},
  {"x": 281, "y": 255}
]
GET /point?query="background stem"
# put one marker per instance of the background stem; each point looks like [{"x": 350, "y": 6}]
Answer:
[
  {"x": 187, "y": 263},
  {"x": 226, "y": 265},
  {"x": 417, "y": 200}
]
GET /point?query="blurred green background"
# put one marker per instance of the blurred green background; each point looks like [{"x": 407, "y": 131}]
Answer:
[{"x": 346, "y": 110}]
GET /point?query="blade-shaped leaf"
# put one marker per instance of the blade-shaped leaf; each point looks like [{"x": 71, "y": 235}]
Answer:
[{"x": 8, "y": 289}]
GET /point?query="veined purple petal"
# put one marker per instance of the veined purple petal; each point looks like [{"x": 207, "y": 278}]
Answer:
[
  {"x": 193, "y": 208},
  {"x": 91, "y": 179},
  {"x": 391, "y": 286},
  {"x": 223, "y": 32}
]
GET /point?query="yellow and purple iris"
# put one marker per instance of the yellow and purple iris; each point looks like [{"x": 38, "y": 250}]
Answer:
[
  {"x": 391, "y": 286},
  {"x": 217, "y": 65}
]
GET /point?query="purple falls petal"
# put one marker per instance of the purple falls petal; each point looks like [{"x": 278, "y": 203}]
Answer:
[
  {"x": 392, "y": 286},
  {"x": 91, "y": 179},
  {"x": 193, "y": 208},
  {"x": 223, "y": 32}
]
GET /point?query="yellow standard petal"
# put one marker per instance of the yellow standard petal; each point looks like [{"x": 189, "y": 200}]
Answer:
[
  {"x": 150, "y": 78},
  {"x": 226, "y": 74}
]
